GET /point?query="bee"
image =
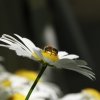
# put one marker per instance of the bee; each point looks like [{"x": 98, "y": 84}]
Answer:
[{"x": 51, "y": 50}]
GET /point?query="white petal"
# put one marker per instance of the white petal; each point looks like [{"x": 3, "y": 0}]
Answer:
[
  {"x": 72, "y": 65},
  {"x": 10, "y": 40},
  {"x": 6, "y": 41},
  {"x": 71, "y": 56},
  {"x": 30, "y": 45},
  {"x": 81, "y": 62},
  {"x": 19, "y": 51},
  {"x": 73, "y": 96},
  {"x": 62, "y": 54},
  {"x": 47, "y": 60},
  {"x": 20, "y": 48},
  {"x": 39, "y": 53}
]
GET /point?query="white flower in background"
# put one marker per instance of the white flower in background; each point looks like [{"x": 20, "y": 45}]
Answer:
[
  {"x": 49, "y": 55},
  {"x": 73, "y": 96},
  {"x": 4, "y": 93},
  {"x": 86, "y": 94},
  {"x": 16, "y": 88},
  {"x": 43, "y": 91}
]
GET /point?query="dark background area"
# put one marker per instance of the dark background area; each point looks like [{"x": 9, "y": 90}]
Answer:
[{"x": 77, "y": 26}]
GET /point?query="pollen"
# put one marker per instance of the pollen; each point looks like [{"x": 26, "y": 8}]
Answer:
[{"x": 50, "y": 53}]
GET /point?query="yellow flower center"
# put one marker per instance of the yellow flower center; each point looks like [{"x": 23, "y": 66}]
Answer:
[
  {"x": 30, "y": 75},
  {"x": 50, "y": 53},
  {"x": 17, "y": 96},
  {"x": 6, "y": 83},
  {"x": 94, "y": 93}
]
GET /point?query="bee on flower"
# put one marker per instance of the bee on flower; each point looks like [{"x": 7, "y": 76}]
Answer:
[
  {"x": 49, "y": 56},
  {"x": 54, "y": 58}
]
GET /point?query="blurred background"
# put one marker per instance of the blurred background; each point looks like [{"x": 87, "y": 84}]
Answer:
[{"x": 69, "y": 25}]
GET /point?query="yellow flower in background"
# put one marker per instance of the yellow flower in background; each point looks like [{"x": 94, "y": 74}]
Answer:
[
  {"x": 49, "y": 55},
  {"x": 17, "y": 96},
  {"x": 95, "y": 94},
  {"x": 30, "y": 75},
  {"x": 6, "y": 83}
]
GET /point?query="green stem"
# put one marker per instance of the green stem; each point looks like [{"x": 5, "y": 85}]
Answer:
[{"x": 36, "y": 81}]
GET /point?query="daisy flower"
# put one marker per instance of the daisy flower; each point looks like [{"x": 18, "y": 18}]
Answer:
[
  {"x": 86, "y": 94},
  {"x": 49, "y": 56}
]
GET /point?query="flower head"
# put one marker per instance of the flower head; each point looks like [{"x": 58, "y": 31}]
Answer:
[
  {"x": 30, "y": 75},
  {"x": 92, "y": 93},
  {"x": 49, "y": 55}
]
